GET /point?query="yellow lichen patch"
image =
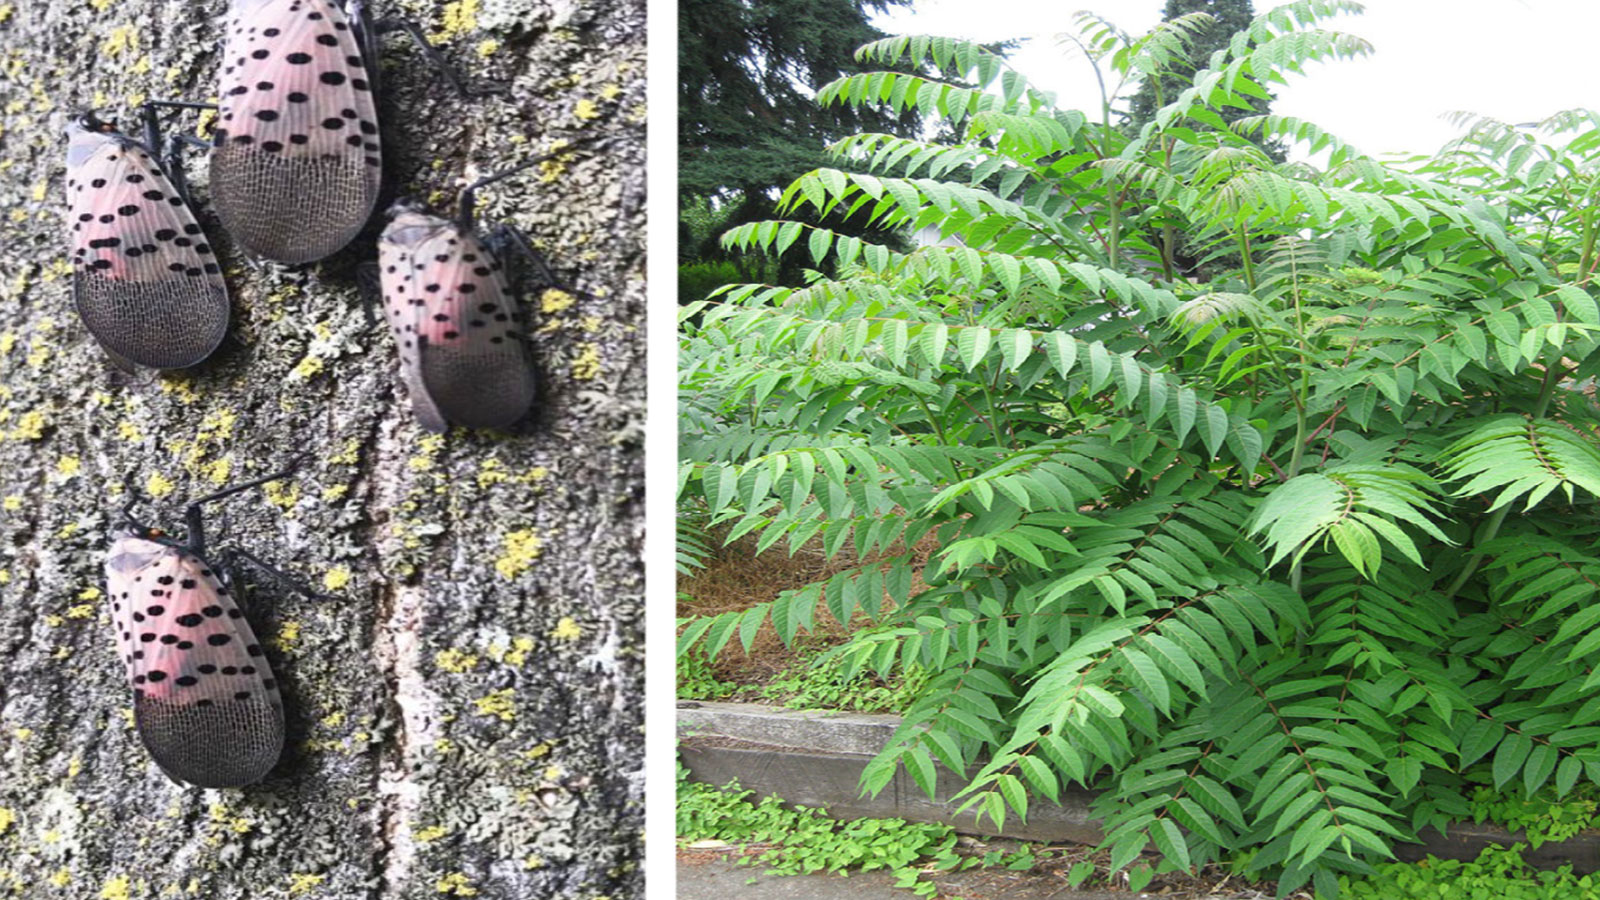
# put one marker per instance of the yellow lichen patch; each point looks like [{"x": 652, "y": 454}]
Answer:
[
  {"x": 5, "y": 12},
  {"x": 456, "y": 661},
  {"x": 282, "y": 497},
  {"x": 443, "y": 746},
  {"x": 518, "y": 654},
  {"x": 288, "y": 635},
  {"x": 158, "y": 485},
  {"x": 336, "y": 578},
  {"x": 431, "y": 833},
  {"x": 498, "y": 705},
  {"x": 12, "y": 503},
  {"x": 457, "y": 884},
  {"x": 141, "y": 67},
  {"x": 488, "y": 48},
  {"x": 350, "y": 456},
  {"x": 8, "y": 341},
  {"x": 611, "y": 91},
  {"x": 553, "y": 772},
  {"x": 538, "y": 750},
  {"x": 115, "y": 889},
  {"x": 30, "y": 427},
  {"x": 54, "y": 621},
  {"x": 555, "y": 300},
  {"x": 23, "y": 734},
  {"x": 304, "y": 883},
  {"x": 333, "y": 720},
  {"x": 81, "y": 611},
  {"x": 335, "y": 493},
  {"x": 182, "y": 388},
  {"x": 218, "y": 471},
  {"x": 534, "y": 861},
  {"x": 460, "y": 17},
  {"x": 122, "y": 38},
  {"x": 491, "y": 471},
  {"x": 521, "y": 548},
  {"x": 129, "y": 431},
  {"x": 68, "y": 466},
  {"x": 566, "y": 630},
  {"x": 74, "y": 766},
  {"x": 586, "y": 110},
  {"x": 587, "y": 365},
  {"x": 309, "y": 368},
  {"x": 60, "y": 878},
  {"x": 429, "y": 447},
  {"x": 7, "y": 819},
  {"x": 217, "y": 424},
  {"x": 90, "y": 593}
]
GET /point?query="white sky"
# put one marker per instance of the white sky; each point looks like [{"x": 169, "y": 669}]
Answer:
[{"x": 1516, "y": 60}]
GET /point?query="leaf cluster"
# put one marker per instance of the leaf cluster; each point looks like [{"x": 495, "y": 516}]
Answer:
[{"x": 1272, "y": 560}]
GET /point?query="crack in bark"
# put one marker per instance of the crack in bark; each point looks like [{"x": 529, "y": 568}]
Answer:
[{"x": 396, "y": 647}]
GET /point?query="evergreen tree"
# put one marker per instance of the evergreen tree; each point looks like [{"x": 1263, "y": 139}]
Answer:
[
  {"x": 1228, "y": 18},
  {"x": 747, "y": 121}
]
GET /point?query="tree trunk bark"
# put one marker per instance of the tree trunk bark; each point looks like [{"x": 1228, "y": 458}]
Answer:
[{"x": 465, "y": 707}]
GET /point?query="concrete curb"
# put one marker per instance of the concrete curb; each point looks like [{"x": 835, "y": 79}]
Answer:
[{"x": 815, "y": 759}]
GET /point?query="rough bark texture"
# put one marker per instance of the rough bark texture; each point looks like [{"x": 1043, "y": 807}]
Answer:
[{"x": 465, "y": 710}]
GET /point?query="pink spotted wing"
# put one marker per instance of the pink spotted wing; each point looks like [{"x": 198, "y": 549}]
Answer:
[
  {"x": 463, "y": 356},
  {"x": 145, "y": 279},
  {"x": 296, "y": 167},
  {"x": 205, "y": 701}
]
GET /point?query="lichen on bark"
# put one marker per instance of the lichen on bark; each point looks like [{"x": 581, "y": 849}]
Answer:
[{"x": 465, "y": 707}]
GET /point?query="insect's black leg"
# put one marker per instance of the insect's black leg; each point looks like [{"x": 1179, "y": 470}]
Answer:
[
  {"x": 506, "y": 238},
  {"x": 369, "y": 286},
  {"x": 176, "y": 173},
  {"x": 174, "y": 163},
  {"x": 192, "y": 515},
  {"x": 179, "y": 104},
  {"x": 366, "y": 36},
  {"x": 152, "y": 129},
  {"x": 166, "y": 149},
  {"x": 432, "y": 54},
  {"x": 467, "y": 211},
  {"x": 234, "y": 554},
  {"x": 227, "y": 569}
]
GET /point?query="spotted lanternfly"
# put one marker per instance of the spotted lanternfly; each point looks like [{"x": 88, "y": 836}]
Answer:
[
  {"x": 296, "y": 167},
  {"x": 204, "y": 699},
  {"x": 297, "y": 161},
  {"x": 145, "y": 280},
  {"x": 464, "y": 356}
]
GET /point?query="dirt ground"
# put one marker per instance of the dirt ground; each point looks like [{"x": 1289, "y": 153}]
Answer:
[{"x": 736, "y": 578}]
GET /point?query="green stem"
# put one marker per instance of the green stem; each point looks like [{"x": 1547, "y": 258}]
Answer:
[
  {"x": 1552, "y": 376},
  {"x": 938, "y": 428},
  {"x": 1244, "y": 252}
]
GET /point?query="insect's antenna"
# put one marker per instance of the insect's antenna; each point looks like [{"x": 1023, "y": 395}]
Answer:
[
  {"x": 127, "y": 511},
  {"x": 195, "y": 523},
  {"x": 467, "y": 211},
  {"x": 229, "y": 491}
]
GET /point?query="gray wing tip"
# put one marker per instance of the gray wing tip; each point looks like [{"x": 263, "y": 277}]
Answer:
[{"x": 226, "y": 744}]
